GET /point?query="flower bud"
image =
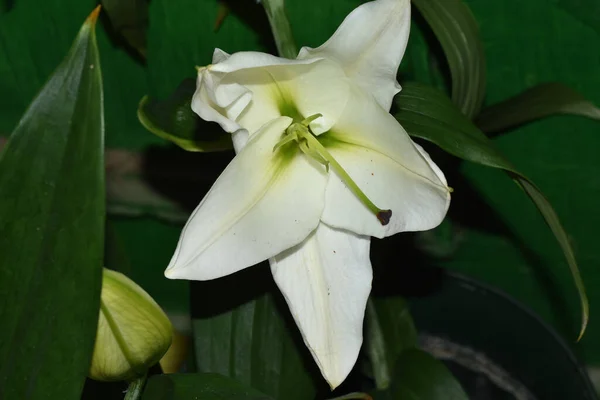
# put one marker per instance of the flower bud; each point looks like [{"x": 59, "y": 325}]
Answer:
[{"x": 133, "y": 331}]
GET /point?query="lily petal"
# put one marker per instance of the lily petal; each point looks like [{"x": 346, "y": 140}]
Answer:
[
  {"x": 262, "y": 204},
  {"x": 369, "y": 45},
  {"x": 326, "y": 281},
  {"x": 248, "y": 89},
  {"x": 219, "y": 56},
  {"x": 390, "y": 169}
]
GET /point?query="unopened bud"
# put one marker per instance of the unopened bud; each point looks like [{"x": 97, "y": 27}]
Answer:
[{"x": 133, "y": 331}]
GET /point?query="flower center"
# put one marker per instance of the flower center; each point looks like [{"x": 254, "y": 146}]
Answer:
[{"x": 300, "y": 133}]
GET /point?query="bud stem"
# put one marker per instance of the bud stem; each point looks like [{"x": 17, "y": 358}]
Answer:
[{"x": 136, "y": 388}]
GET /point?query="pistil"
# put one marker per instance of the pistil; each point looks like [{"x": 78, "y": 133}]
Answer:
[{"x": 310, "y": 145}]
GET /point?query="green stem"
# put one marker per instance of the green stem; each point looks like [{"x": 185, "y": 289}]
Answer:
[
  {"x": 136, "y": 387},
  {"x": 280, "y": 25},
  {"x": 382, "y": 215}
]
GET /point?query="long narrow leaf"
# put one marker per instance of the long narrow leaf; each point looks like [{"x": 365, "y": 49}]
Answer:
[
  {"x": 52, "y": 230},
  {"x": 458, "y": 33},
  {"x": 428, "y": 114},
  {"x": 535, "y": 103}
]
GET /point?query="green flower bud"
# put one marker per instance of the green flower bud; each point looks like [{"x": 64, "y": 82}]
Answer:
[{"x": 133, "y": 331}]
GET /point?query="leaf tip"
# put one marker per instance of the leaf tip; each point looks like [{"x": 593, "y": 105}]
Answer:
[
  {"x": 93, "y": 17},
  {"x": 585, "y": 318}
]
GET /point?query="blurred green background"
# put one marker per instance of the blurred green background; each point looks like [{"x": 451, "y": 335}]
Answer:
[{"x": 506, "y": 244}]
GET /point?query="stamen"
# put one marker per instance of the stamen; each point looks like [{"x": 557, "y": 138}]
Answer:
[
  {"x": 285, "y": 140},
  {"x": 315, "y": 155},
  {"x": 314, "y": 146},
  {"x": 309, "y": 145},
  {"x": 310, "y": 119},
  {"x": 382, "y": 215}
]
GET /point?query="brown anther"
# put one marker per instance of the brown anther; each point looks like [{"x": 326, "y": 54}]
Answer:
[{"x": 384, "y": 216}]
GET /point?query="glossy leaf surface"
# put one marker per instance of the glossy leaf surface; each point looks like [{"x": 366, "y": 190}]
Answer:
[{"x": 52, "y": 231}]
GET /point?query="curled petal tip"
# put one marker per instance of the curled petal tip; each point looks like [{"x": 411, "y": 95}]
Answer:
[{"x": 384, "y": 216}]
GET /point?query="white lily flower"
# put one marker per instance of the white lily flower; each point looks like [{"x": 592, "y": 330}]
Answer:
[{"x": 317, "y": 153}]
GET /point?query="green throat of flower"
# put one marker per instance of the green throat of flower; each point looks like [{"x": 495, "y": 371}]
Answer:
[{"x": 300, "y": 133}]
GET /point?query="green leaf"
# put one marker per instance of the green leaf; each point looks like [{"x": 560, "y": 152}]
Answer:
[
  {"x": 390, "y": 330},
  {"x": 428, "y": 114},
  {"x": 586, "y": 11},
  {"x": 182, "y": 35},
  {"x": 251, "y": 342},
  {"x": 130, "y": 20},
  {"x": 52, "y": 230},
  {"x": 29, "y": 56},
  {"x": 280, "y": 25},
  {"x": 174, "y": 120},
  {"x": 535, "y": 103},
  {"x": 419, "y": 376},
  {"x": 456, "y": 29},
  {"x": 198, "y": 386}
]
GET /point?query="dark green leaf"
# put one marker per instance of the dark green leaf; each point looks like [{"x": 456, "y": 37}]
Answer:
[
  {"x": 419, "y": 376},
  {"x": 198, "y": 386},
  {"x": 535, "y": 103},
  {"x": 586, "y": 11},
  {"x": 29, "y": 56},
  {"x": 174, "y": 120},
  {"x": 182, "y": 35},
  {"x": 456, "y": 28},
  {"x": 428, "y": 114},
  {"x": 390, "y": 330},
  {"x": 251, "y": 342},
  {"x": 52, "y": 230},
  {"x": 130, "y": 20}
]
